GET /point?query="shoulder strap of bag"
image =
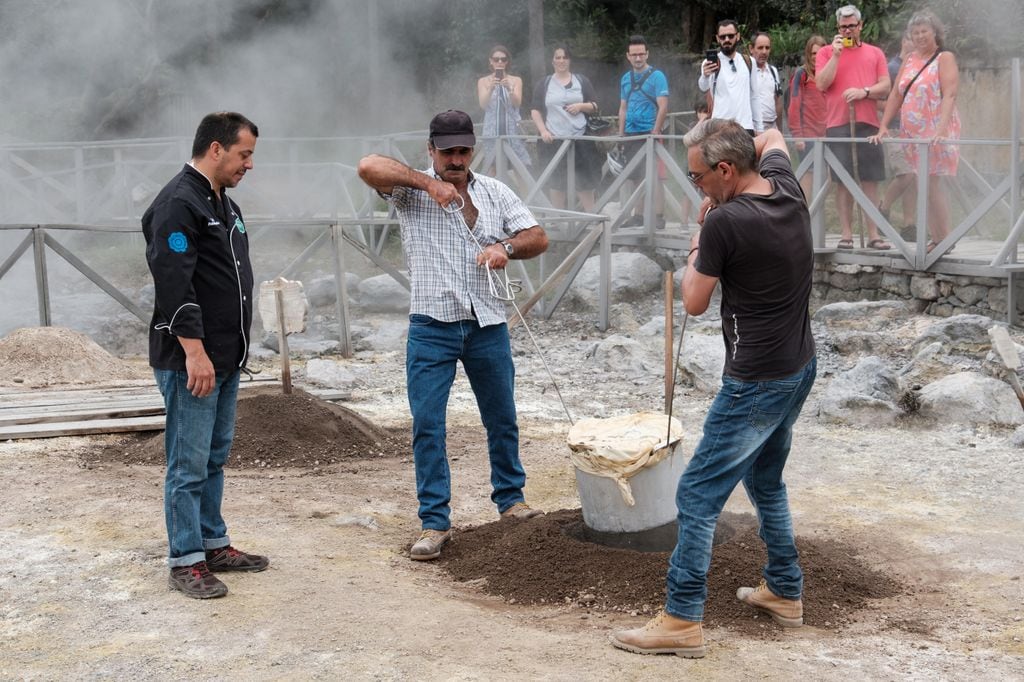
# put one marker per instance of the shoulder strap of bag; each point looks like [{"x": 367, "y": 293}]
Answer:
[
  {"x": 636, "y": 85},
  {"x": 903, "y": 94}
]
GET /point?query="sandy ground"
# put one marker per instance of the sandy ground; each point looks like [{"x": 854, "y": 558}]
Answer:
[{"x": 83, "y": 591}]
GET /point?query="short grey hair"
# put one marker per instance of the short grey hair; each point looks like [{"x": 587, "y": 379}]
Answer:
[
  {"x": 847, "y": 11},
  {"x": 722, "y": 139}
]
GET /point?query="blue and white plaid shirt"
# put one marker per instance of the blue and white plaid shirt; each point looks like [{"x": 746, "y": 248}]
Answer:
[{"x": 447, "y": 284}]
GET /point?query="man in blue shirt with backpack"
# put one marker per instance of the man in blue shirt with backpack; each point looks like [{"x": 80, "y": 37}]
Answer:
[{"x": 643, "y": 105}]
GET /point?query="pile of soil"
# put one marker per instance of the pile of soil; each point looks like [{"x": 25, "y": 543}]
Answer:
[
  {"x": 49, "y": 356},
  {"x": 545, "y": 561},
  {"x": 277, "y": 430}
]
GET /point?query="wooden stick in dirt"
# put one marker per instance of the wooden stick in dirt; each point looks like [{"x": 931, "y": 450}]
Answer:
[
  {"x": 282, "y": 344},
  {"x": 669, "y": 366}
]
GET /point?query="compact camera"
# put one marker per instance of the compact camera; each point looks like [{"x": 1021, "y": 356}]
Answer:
[
  {"x": 711, "y": 55},
  {"x": 847, "y": 42}
]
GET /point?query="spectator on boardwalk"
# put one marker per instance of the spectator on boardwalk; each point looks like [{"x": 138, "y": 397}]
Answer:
[
  {"x": 561, "y": 104},
  {"x": 500, "y": 95},
  {"x": 643, "y": 106},
  {"x": 755, "y": 243},
  {"x": 902, "y": 186},
  {"x": 927, "y": 88},
  {"x": 766, "y": 82},
  {"x": 727, "y": 79},
  {"x": 807, "y": 111},
  {"x": 459, "y": 229},
  {"x": 198, "y": 252},
  {"x": 853, "y": 75}
]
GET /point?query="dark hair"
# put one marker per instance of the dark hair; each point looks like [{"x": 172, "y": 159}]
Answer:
[
  {"x": 500, "y": 48},
  {"x": 758, "y": 34},
  {"x": 700, "y": 104},
  {"x": 729, "y": 22},
  {"x": 636, "y": 40},
  {"x": 720, "y": 140},
  {"x": 223, "y": 127},
  {"x": 564, "y": 48}
]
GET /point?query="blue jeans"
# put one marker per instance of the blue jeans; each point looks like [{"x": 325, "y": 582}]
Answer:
[
  {"x": 197, "y": 440},
  {"x": 432, "y": 351},
  {"x": 747, "y": 436}
]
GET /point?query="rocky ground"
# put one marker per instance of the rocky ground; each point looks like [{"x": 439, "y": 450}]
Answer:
[{"x": 911, "y": 528}]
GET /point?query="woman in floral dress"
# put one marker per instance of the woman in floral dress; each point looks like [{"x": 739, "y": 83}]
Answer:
[{"x": 927, "y": 87}]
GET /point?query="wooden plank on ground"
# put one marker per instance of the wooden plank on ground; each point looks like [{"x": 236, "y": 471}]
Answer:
[
  {"x": 13, "y": 417},
  {"x": 82, "y": 428}
]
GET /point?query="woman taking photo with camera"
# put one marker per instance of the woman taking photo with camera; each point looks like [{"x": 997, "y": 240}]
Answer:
[
  {"x": 561, "y": 104},
  {"x": 500, "y": 94}
]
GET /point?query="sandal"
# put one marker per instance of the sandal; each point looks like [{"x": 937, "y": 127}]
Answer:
[
  {"x": 879, "y": 245},
  {"x": 845, "y": 244},
  {"x": 932, "y": 244}
]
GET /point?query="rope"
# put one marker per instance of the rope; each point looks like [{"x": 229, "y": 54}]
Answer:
[{"x": 504, "y": 291}]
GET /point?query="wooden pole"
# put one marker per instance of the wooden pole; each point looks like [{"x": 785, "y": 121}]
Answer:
[
  {"x": 669, "y": 365},
  {"x": 282, "y": 343}
]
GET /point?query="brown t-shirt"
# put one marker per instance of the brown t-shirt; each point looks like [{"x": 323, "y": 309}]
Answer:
[{"x": 760, "y": 249}]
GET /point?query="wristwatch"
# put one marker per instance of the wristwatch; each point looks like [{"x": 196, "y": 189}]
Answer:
[
  {"x": 509, "y": 249},
  {"x": 867, "y": 93}
]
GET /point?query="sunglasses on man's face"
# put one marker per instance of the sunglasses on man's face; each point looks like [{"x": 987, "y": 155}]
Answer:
[{"x": 727, "y": 36}]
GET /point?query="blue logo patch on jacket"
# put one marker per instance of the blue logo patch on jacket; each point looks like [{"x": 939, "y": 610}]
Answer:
[
  {"x": 239, "y": 225},
  {"x": 178, "y": 242}
]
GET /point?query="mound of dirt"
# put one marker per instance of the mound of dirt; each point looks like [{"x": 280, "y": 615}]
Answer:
[
  {"x": 276, "y": 430},
  {"x": 50, "y": 356},
  {"x": 545, "y": 560}
]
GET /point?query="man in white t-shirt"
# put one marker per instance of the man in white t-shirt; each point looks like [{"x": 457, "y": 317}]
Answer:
[
  {"x": 728, "y": 80},
  {"x": 766, "y": 82}
]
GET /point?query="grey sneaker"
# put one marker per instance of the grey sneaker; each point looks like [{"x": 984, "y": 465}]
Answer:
[
  {"x": 788, "y": 613},
  {"x": 196, "y": 581},
  {"x": 429, "y": 544},
  {"x": 520, "y": 510},
  {"x": 230, "y": 559}
]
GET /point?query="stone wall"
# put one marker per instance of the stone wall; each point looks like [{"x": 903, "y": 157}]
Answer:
[{"x": 938, "y": 294}]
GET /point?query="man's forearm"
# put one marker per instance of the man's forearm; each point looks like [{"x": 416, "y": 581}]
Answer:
[{"x": 383, "y": 173}]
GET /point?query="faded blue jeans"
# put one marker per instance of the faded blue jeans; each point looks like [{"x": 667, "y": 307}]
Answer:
[
  {"x": 432, "y": 351},
  {"x": 747, "y": 436},
  {"x": 197, "y": 440}
]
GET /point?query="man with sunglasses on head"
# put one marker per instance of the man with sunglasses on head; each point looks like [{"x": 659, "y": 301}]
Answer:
[
  {"x": 459, "y": 231},
  {"x": 853, "y": 76},
  {"x": 728, "y": 82},
  {"x": 755, "y": 241}
]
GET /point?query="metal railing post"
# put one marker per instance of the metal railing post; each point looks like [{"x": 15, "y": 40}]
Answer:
[{"x": 1015, "y": 114}]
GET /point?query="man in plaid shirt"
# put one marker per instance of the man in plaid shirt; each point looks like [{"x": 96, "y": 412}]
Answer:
[{"x": 459, "y": 229}]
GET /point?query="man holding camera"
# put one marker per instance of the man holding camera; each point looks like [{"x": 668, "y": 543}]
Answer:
[
  {"x": 853, "y": 76},
  {"x": 726, "y": 75}
]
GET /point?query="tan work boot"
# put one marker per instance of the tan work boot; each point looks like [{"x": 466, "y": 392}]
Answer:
[
  {"x": 789, "y": 613},
  {"x": 663, "y": 634},
  {"x": 429, "y": 544},
  {"x": 520, "y": 510}
]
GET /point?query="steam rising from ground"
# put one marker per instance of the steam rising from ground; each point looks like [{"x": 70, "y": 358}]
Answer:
[{"x": 73, "y": 70}]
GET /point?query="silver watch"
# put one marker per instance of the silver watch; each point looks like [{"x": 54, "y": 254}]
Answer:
[{"x": 509, "y": 249}]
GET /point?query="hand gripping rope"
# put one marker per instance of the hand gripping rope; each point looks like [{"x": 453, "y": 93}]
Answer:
[{"x": 502, "y": 288}]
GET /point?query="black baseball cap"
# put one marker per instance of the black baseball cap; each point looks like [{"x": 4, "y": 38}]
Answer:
[{"x": 452, "y": 128}]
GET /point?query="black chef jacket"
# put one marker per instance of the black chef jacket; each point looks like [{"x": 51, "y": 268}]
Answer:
[{"x": 198, "y": 252}]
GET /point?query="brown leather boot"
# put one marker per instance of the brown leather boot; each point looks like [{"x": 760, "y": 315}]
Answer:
[
  {"x": 663, "y": 634},
  {"x": 789, "y": 613}
]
